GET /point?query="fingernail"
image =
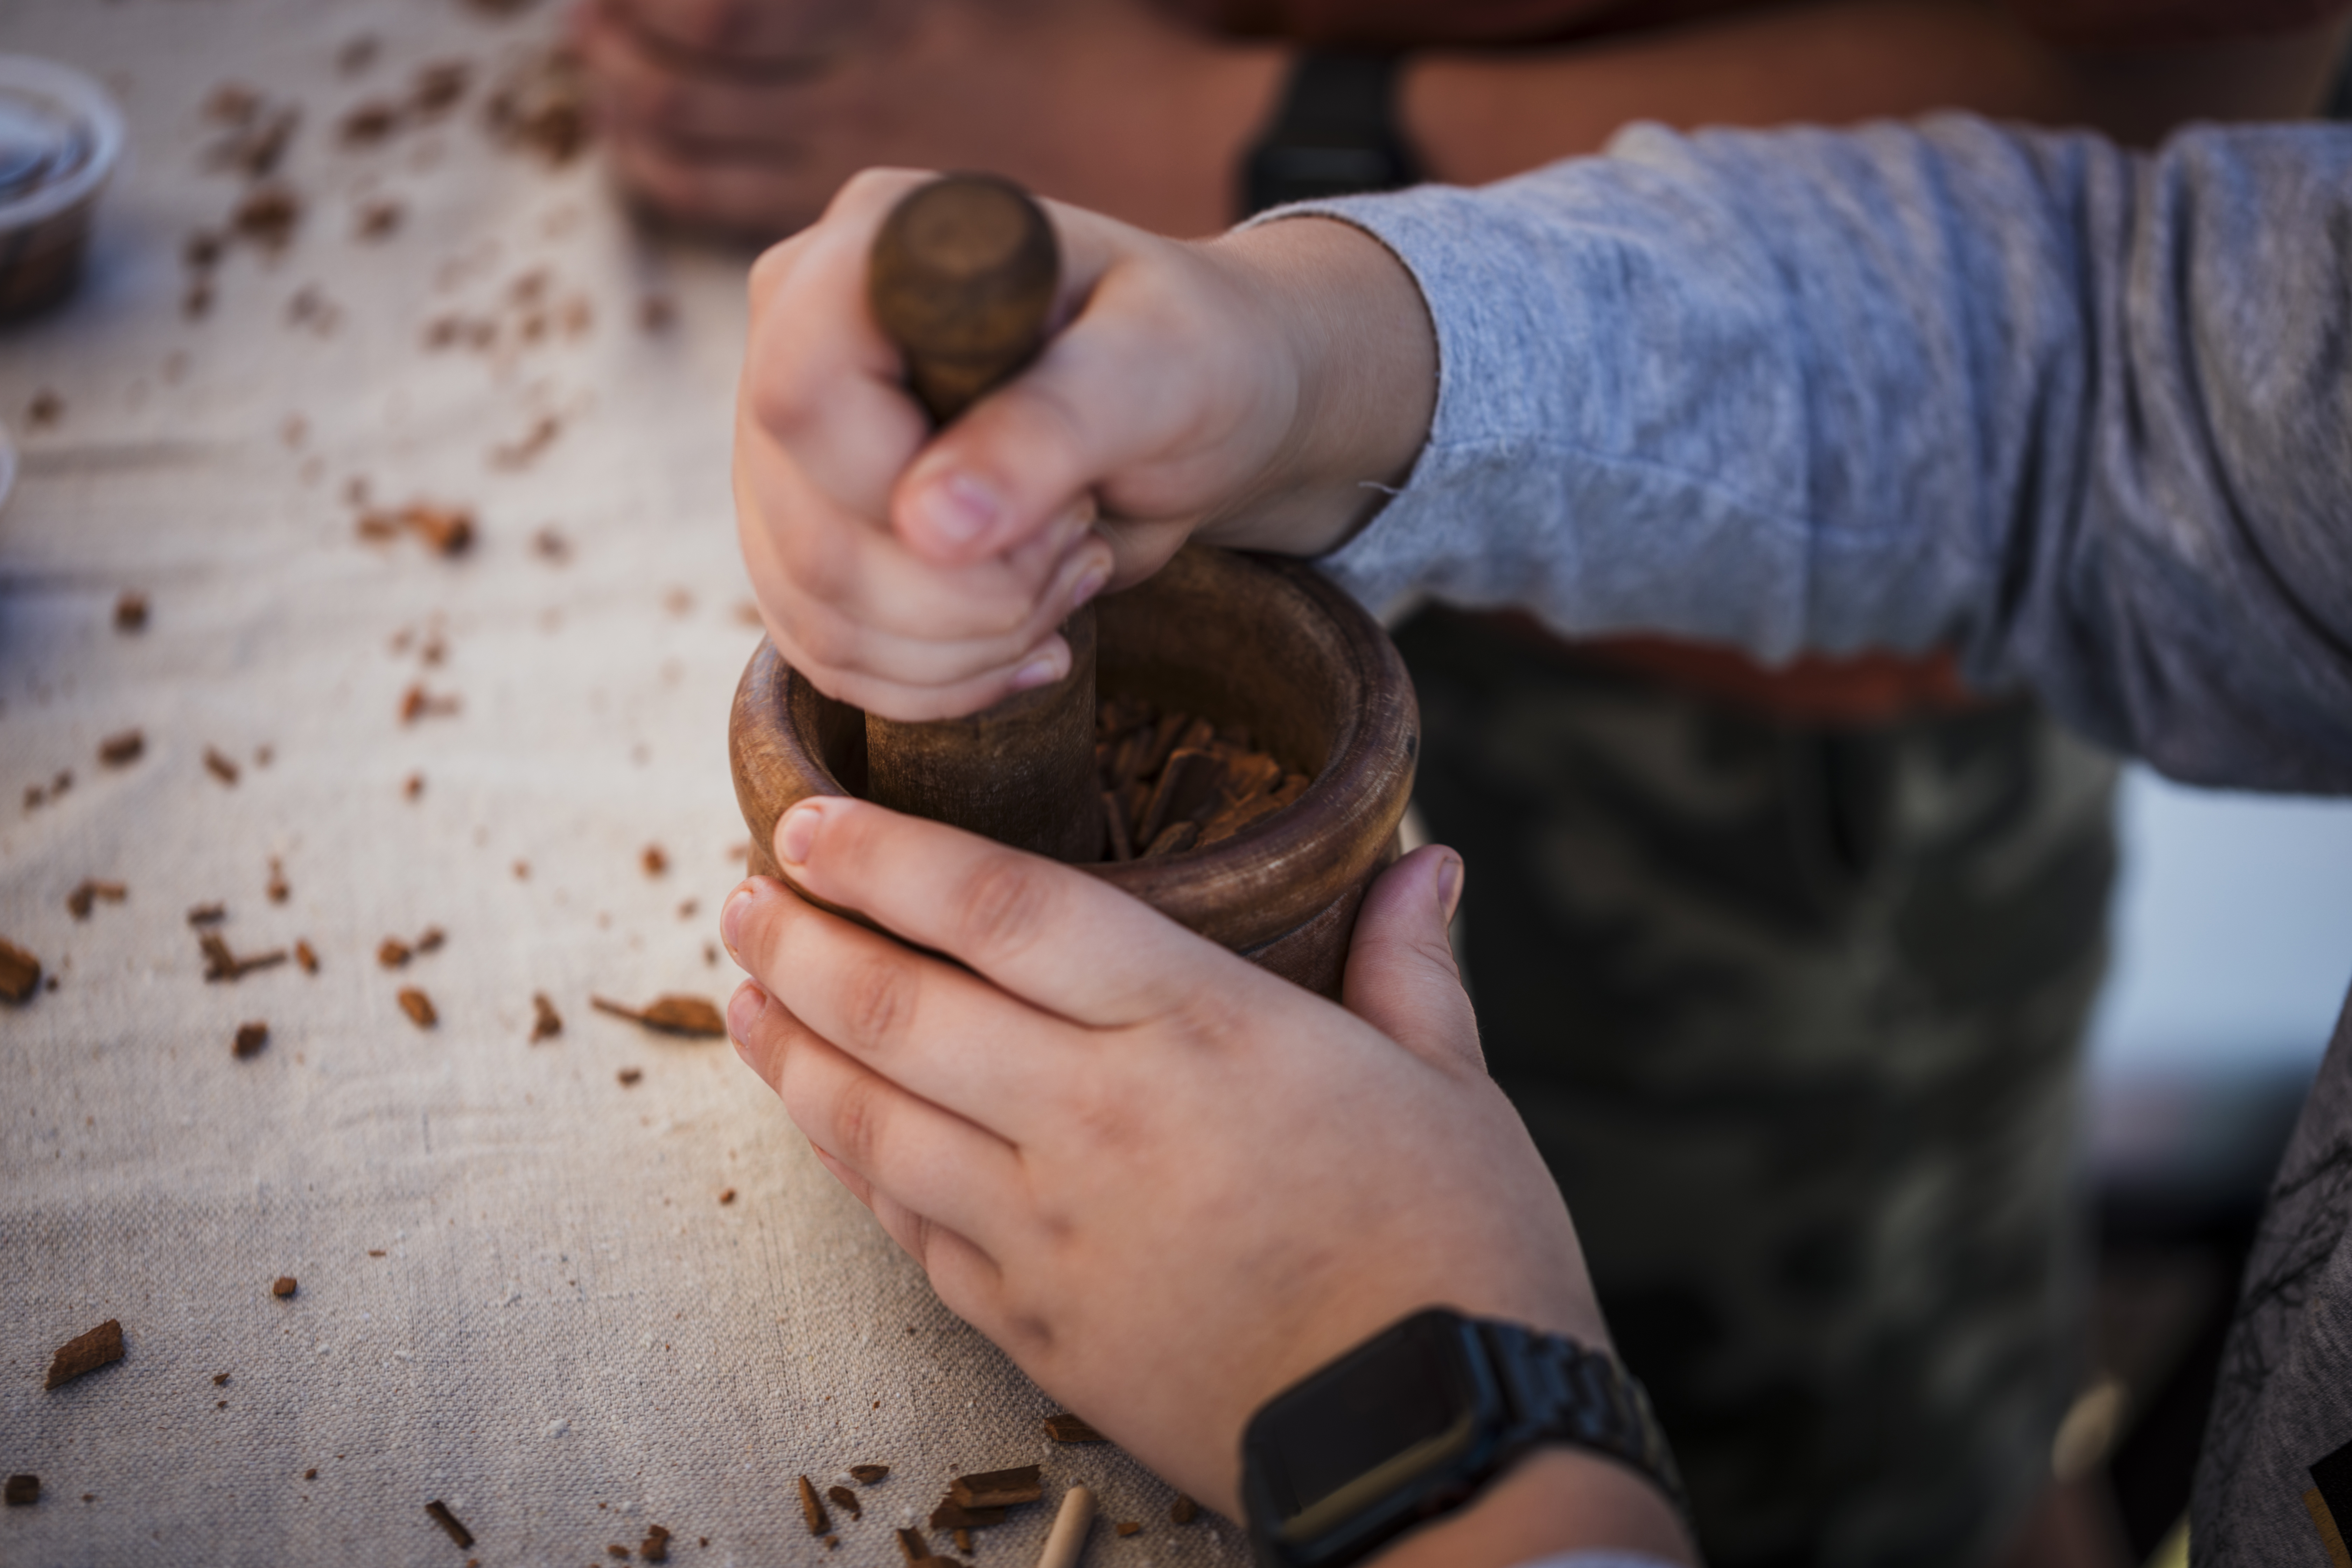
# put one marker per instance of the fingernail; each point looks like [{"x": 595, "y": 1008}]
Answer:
[
  {"x": 743, "y": 1010},
  {"x": 730, "y": 920},
  {"x": 1043, "y": 670},
  {"x": 796, "y": 834},
  {"x": 956, "y": 508},
  {"x": 1089, "y": 586},
  {"x": 1449, "y": 885}
]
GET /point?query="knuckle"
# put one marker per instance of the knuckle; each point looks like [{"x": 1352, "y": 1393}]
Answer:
[
  {"x": 876, "y": 1002},
  {"x": 1007, "y": 903},
  {"x": 859, "y": 1113}
]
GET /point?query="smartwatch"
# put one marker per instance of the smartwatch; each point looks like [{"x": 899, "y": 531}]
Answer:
[
  {"x": 1417, "y": 1420},
  {"x": 1334, "y": 134}
]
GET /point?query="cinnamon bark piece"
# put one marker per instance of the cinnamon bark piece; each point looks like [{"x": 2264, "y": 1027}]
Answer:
[
  {"x": 866, "y": 1475},
  {"x": 840, "y": 1497},
  {"x": 122, "y": 751},
  {"x": 449, "y": 1522},
  {"x": 250, "y": 1038},
  {"x": 418, "y": 1006},
  {"x": 1187, "y": 790},
  {"x": 85, "y": 897},
  {"x": 20, "y": 971},
  {"x": 670, "y": 1015},
  {"x": 654, "y": 1547},
  {"x": 1174, "y": 839},
  {"x": 1064, "y": 1427},
  {"x": 1183, "y": 1511},
  {"x": 953, "y": 1515},
  {"x": 219, "y": 766},
  {"x": 813, "y": 1510},
  {"x": 283, "y": 1286},
  {"x": 84, "y": 1353},
  {"x": 23, "y": 1491},
  {"x": 546, "y": 1023},
  {"x": 997, "y": 1489},
  {"x": 1115, "y": 827}
]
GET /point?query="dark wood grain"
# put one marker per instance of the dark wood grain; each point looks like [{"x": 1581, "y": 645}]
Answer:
[
  {"x": 1250, "y": 640},
  {"x": 962, "y": 278}
]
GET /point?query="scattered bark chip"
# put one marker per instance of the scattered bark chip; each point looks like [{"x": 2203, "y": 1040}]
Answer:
[
  {"x": 842, "y": 1496},
  {"x": 654, "y": 1547},
  {"x": 998, "y": 1489},
  {"x": 813, "y": 1510},
  {"x": 866, "y": 1475},
  {"x": 23, "y": 1491},
  {"x": 412, "y": 786},
  {"x": 278, "y": 890},
  {"x": 418, "y": 1006},
  {"x": 282, "y": 1287},
  {"x": 208, "y": 914},
  {"x": 449, "y": 1522},
  {"x": 430, "y": 938},
  {"x": 305, "y": 956},
  {"x": 653, "y": 860},
  {"x": 953, "y": 1515},
  {"x": 222, "y": 963},
  {"x": 1183, "y": 1511},
  {"x": 122, "y": 751},
  {"x": 728, "y": 1197},
  {"x": 268, "y": 215},
  {"x": 250, "y": 1038},
  {"x": 102, "y": 1346},
  {"x": 671, "y": 1015},
  {"x": 546, "y": 1021},
  {"x": 84, "y": 898},
  {"x": 1065, "y": 1427},
  {"x": 618, "y": 1550},
  {"x": 219, "y": 766},
  {"x": 20, "y": 971},
  {"x": 1128, "y": 1527},
  {"x": 311, "y": 1474},
  {"x": 629, "y": 1075},
  {"x": 392, "y": 952},
  {"x": 130, "y": 612}
]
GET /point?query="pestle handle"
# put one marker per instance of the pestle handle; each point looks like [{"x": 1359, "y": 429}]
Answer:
[{"x": 962, "y": 278}]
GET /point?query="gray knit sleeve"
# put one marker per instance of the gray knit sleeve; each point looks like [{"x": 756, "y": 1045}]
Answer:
[{"x": 2084, "y": 416}]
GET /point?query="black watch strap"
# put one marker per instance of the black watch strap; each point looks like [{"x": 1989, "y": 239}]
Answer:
[
  {"x": 1561, "y": 1392},
  {"x": 1334, "y": 134}
]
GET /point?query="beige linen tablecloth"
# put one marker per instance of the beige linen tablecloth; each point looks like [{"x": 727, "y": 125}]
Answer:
[{"x": 519, "y": 1288}]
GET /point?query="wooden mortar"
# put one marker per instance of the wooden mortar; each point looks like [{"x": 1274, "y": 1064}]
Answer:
[{"x": 1239, "y": 639}]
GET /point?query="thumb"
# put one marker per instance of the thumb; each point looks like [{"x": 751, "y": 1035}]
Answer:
[{"x": 1400, "y": 976}]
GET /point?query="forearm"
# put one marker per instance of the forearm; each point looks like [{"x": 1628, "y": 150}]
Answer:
[
  {"x": 2074, "y": 414},
  {"x": 1475, "y": 117}
]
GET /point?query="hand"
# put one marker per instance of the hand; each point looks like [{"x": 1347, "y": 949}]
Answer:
[
  {"x": 1168, "y": 1184},
  {"x": 1240, "y": 391},
  {"x": 747, "y": 115}
]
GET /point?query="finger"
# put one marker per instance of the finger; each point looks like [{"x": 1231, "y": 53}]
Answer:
[
  {"x": 762, "y": 200},
  {"x": 1400, "y": 975},
  {"x": 1154, "y": 447},
  {"x": 928, "y": 1027},
  {"x": 935, "y": 1163},
  {"x": 1050, "y": 934}
]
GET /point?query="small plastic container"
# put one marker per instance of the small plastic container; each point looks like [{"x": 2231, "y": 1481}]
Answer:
[{"x": 60, "y": 137}]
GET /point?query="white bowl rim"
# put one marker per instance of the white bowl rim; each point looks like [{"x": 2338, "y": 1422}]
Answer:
[{"x": 85, "y": 97}]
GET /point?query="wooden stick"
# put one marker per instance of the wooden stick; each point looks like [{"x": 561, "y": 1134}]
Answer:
[
  {"x": 1068, "y": 1537},
  {"x": 962, "y": 278}
]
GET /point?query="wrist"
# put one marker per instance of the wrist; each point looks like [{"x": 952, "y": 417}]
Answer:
[
  {"x": 1359, "y": 353},
  {"x": 1555, "y": 1500}
]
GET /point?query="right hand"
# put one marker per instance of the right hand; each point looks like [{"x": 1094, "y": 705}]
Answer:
[{"x": 1241, "y": 389}]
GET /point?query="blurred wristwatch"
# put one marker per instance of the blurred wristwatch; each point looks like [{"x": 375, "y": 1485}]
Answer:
[
  {"x": 1417, "y": 1420},
  {"x": 1334, "y": 134}
]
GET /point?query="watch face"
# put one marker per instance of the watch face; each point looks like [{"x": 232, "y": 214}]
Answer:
[{"x": 1404, "y": 1406}]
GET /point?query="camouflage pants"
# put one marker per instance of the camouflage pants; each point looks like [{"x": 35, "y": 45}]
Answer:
[{"x": 1794, "y": 1014}]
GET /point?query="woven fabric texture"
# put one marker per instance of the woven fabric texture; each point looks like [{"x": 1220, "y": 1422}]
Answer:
[{"x": 519, "y": 1290}]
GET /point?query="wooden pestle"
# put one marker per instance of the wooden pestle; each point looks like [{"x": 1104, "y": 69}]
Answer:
[{"x": 962, "y": 278}]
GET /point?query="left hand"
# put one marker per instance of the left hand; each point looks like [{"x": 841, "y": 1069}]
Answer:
[{"x": 1168, "y": 1184}]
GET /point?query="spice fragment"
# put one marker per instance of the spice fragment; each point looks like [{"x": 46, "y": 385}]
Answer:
[
  {"x": 546, "y": 1021},
  {"x": 85, "y": 1354},
  {"x": 997, "y": 1489},
  {"x": 392, "y": 952},
  {"x": 1183, "y": 1511},
  {"x": 122, "y": 751},
  {"x": 23, "y": 1491},
  {"x": 866, "y": 1475},
  {"x": 654, "y": 1547},
  {"x": 306, "y": 957},
  {"x": 219, "y": 766},
  {"x": 811, "y": 1510},
  {"x": 278, "y": 890},
  {"x": 670, "y": 1015},
  {"x": 1127, "y": 1527},
  {"x": 1064, "y": 1427},
  {"x": 418, "y": 1006},
  {"x": 20, "y": 971},
  {"x": 83, "y": 898},
  {"x": 283, "y": 1286},
  {"x": 130, "y": 612},
  {"x": 449, "y": 1522},
  {"x": 629, "y": 1075},
  {"x": 250, "y": 1038}
]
